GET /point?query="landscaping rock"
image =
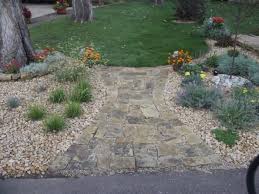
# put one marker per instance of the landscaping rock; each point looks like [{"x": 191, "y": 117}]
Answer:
[
  {"x": 5, "y": 77},
  {"x": 224, "y": 81}
]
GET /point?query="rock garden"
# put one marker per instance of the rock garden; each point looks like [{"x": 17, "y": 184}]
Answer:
[
  {"x": 45, "y": 108},
  {"x": 88, "y": 98}
]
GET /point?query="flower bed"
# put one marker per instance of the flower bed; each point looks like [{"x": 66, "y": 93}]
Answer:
[
  {"x": 236, "y": 140},
  {"x": 29, "y": 134}
]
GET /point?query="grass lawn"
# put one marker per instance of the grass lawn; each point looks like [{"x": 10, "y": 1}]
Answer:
[
  {"x": 131, "y": 34},
  {"x": 135, "y": 33}
]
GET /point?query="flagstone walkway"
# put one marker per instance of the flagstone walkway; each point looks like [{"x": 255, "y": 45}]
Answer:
[{"x": 135, "y": 130}]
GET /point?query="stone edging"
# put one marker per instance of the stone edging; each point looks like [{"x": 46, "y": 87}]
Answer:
[{"x": 19, "y": 76}]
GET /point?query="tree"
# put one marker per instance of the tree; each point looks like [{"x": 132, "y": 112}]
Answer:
[
  {"x": 244, "y": 9},
  {"x": 15, "y": 42},
  {"x": 82, "y": 10}
]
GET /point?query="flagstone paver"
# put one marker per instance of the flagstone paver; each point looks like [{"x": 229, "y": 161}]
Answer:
[{"x": 135, "y": 129}]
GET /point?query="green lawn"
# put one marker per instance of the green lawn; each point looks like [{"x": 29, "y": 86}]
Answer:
[
  {"x": 131, "y": 34},
  {"x": 134, "y": 33}
]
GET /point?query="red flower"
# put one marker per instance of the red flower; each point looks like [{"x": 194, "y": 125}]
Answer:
[
  {"x": 12, "y": 67},
  {"x": 218, "y": 20},
  {"x": 26, "y": 12}
]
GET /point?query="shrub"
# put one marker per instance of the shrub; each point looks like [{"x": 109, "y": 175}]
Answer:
[
  {"x": 191, "y": 9},
  {"x": 192, "y": 68},
  {"x": 198, "y": 96},
  {"x": 233, "y": 53},
  {"x": 73, "y": 110},
  {"x": 12, "y": 67},
  {"x": 36, "y": 112},
  {"x": 237, "y": 114},
  {"x": 228, "y": 137},
  {"x": 54, "y": 123},
  {"x": 214, "y": 28},
  {"x": 13, "y": 102},
  {"x": 81, "y": 92},
  {"x": 243, "y": 66},
  {"x": 212, "y": 61},
  {"x": 35, "y": 68},
  {"x": 194, "y": 79},
  {"x": 70, "y": 74},
  {"x": 224, "y": 41},
  {"x": 57, "y": 96}
]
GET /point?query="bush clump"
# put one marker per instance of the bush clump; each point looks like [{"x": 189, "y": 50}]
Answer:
[
  {"x": 54, "y": 123},
  {"x": 198, "y": 96},
  {"x": 191, "y": 9},
  {"x": 35, "y": 68},
  {"x": 243, "y": 66},
  {"x": 237, "y": 114},
  {"x": 57, "y": 96},
  {"x": 81, "y": 92},
  {"x": 13, "y": 102},
  {"x": 36, "y": 112},
  {"x": 212, "y": 61},
  {"x": 73, "y": 110},
  {"x": 193, "y": 78},
  {"x": 228, "y": 137},
  {"x": 70, "y": 74}
]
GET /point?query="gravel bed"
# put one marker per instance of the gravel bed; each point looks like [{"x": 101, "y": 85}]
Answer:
[
  {"x": 25, "y": 148},
  {"x": 203, "y": 121}
]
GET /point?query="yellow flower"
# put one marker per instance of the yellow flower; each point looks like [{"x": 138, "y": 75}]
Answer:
[
  {"x": 245, "y": 91},
  {"x": 203, "y": 75},
  {"x": 187, "y": 73}
]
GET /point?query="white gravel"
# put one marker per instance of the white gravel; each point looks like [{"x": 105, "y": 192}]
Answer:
[{"x": 25, "y": 148}]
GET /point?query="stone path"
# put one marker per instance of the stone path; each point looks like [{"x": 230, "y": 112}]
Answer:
[
  {"x": 249, "y": 41},
  {"x": 135, "y": 130}
]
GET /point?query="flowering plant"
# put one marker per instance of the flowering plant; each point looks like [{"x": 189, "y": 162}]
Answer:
[
  {"x": 41, "y": 56},
  {"x": 179, "y": 58},
  {"x": 218, "y": 20},
  {"x": 12, "y": 67},
  {"x": 91, "y": 57},
  {"x": 61, "y": 4},
  {"x": 26, "y": 12}
]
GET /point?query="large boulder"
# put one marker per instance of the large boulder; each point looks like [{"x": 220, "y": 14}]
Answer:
[{"x": 224, "y": 81}]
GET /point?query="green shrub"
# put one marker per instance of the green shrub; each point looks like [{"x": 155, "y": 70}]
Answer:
[
  {"x": 243, "y": 66},
  {"x": 197, "y": 96},
  {"x": 81, "y": 92},
  {"x": 57, "y": 96},
  {"x": 192, "y": 68},
  {"x": 191, "y": 9},
  {"x": 237, "y": 114},
  {"x": 215, "y": 32},
  {"x": 233, "y": 53},
  {"x": 36, "y": 112},
  {"x": 70, "y": 74},
  {"x": 228, "y": 137},
  {"x": 13, "y": 102},
  {"x": 212, "y": 61},
  {"x": 73, "y": 110},
  {"x": 35, "y": 68},
  {"x": 194, "y": 79},
  {"x": 54, "y": 123}
]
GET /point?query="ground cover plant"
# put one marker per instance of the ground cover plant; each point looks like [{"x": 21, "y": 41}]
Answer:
[{"x": 228, "y": 137}]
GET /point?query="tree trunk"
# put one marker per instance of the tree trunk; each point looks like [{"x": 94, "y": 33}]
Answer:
[
  {"x": 15, "y": 40},
  {"x": 82, "y": 10}
]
